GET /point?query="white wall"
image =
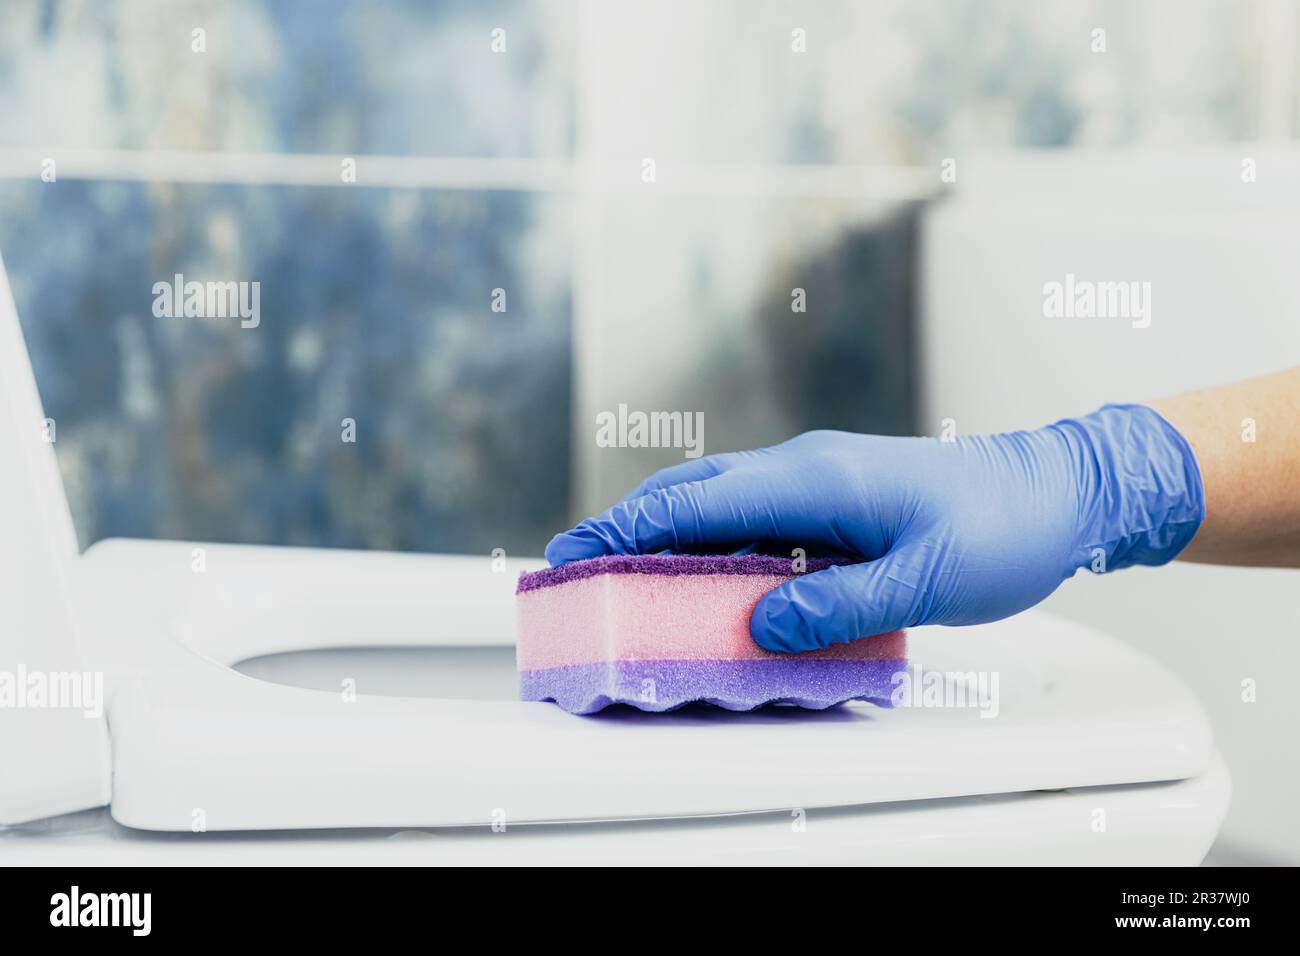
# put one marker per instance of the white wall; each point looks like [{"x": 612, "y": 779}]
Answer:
[{"x": 1221, "y": 255}]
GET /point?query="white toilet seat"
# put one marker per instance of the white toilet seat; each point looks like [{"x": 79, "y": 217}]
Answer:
[{"x": 193, "y": 738}]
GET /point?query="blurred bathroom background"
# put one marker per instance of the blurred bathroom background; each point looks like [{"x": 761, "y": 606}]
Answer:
[
  {"x": 782, "y": 161},
  {"x": 644, "y": 186}
]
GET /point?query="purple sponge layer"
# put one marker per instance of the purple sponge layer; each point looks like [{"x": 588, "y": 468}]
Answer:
[
  {"x": 734, "y": 685},
  {"x": 668, "y": 564}
]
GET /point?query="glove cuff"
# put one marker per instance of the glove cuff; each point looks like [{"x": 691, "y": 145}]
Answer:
[{"x": 1141, "y": 498}]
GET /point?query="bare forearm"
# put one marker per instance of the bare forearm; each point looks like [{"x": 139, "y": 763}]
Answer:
[{"x": 1246, "y": 437}]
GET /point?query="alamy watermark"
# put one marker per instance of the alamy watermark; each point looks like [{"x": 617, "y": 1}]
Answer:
[
  {"x": 209, "y": 300},
  {"x": 75, "y": 908},
  {"x": 917, "y": 687},
  {"x": 53, "y": 690},
  {"x": 633, "y": 429},
  {"x": 1086, "y": 299}
]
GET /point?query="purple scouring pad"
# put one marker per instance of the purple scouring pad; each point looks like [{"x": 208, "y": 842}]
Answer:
[
  {"x": 661, "y": 631},
  {"x": 660, "y": 686}
]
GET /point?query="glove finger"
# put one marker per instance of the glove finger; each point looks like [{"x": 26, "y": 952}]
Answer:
[
  {"x": 710, "y": 466},
  {"x": 842, "y": 603},
  {"x": 714, "y": 513}
]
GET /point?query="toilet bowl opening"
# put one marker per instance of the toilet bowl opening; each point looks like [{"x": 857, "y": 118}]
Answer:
[{"x": 466, "y": 673}]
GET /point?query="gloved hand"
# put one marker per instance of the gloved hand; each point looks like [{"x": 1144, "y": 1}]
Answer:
[{"x": 947, "y": 532}]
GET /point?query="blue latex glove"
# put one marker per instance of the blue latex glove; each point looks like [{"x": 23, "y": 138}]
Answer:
[{"x": 948, "y": 532}]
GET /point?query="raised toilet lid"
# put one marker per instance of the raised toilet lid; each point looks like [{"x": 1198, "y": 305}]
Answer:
[{"x": 53, "y": 736}]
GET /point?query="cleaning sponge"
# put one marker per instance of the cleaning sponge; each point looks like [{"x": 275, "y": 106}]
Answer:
[{"x": 660, "y": 631}]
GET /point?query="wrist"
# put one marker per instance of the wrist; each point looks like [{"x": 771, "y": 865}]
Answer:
[{"x": 1141, "y": 496}]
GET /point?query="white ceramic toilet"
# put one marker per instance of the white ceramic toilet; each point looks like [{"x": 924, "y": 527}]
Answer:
[{"x": 412, "y": 748}]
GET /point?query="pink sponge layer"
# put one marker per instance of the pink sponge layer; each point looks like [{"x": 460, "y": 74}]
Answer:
[{"x": 680, "y": 625}]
